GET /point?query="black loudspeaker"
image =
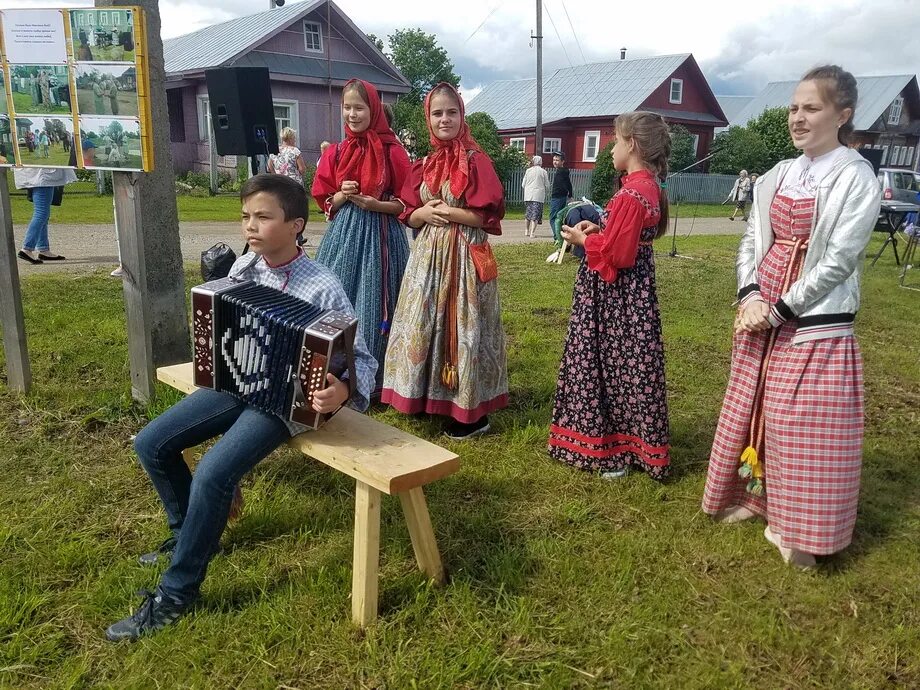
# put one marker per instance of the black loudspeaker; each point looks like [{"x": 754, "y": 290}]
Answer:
[
  {"x": 242, "y": 112},
  {"x": 874, "y": 156}
]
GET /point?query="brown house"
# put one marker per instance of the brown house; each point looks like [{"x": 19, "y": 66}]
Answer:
[{"x": 581, "y": 103}]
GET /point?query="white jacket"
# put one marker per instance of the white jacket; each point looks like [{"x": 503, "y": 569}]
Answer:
[
  {"x": 535, "y": 184},
  {"x": 825, "y": 298}
]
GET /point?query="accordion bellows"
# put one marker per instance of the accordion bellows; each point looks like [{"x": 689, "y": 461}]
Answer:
[{"x": 268, "y": 348}]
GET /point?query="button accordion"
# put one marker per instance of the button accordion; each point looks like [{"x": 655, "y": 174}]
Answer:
[{"x": 268, "y": 348}]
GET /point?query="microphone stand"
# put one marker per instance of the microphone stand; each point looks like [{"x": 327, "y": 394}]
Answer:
[{"x": 673, "y": 253}]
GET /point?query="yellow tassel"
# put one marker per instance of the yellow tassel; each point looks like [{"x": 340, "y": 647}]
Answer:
[
  {"x": 449, "y": 376},
  {"x": 749, "y": 457}
]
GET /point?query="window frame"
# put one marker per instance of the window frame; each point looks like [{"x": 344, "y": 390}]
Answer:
[
  {"x": 292, "y": 111},
  {"x": 204, "y": 115},
  {"x": 558, "y": 149},
  {"x": 895, "y": 155},
  {"x": 318, "y": 33},
  {"x": 591, "y": 133},
  {"x": 897, "y": 108},
  {"x": 513, "y": 141},
  {"x": 680, "y": 97}
]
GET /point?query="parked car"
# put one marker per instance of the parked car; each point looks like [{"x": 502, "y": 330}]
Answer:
[{"x": 899, "y": 184}]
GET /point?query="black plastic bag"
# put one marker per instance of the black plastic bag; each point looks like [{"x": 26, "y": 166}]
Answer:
[{"x": 217, "y": 261}]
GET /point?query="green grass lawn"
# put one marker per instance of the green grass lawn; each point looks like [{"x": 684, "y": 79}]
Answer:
[
  {"x": 558, "y": 579},
  {"x": 82, "y": 206}
]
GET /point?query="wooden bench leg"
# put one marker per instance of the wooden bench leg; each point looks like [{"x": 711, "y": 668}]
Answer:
[
  {"x": 366, "y": 555},
  {"x": 423, "y": 541}
]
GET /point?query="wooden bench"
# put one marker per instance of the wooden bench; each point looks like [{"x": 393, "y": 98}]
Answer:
[{"x": 381, "y": 459}]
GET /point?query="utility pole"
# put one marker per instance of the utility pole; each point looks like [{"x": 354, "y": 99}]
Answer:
[{"x": 538, "y": 133}]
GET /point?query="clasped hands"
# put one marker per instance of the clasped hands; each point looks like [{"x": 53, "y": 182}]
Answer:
[
  {"x": 754, "y": 317},
  {"x": 351, "y": 192},
  {"x": 577, "y": 233},
  {"x": 435, "y": 212}
]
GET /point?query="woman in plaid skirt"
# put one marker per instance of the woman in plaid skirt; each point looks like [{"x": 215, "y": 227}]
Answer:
[{"x": 788, "y": 446}]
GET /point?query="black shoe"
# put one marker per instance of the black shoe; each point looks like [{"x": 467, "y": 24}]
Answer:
[
  {"x": 155, "y": 612},
  {"x": 164, "y": 550},
  {"x": 25, "y": 257},
  {"x": 459, "y": 431}
]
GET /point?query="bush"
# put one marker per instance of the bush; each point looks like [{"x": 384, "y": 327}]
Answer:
[{"x": 604, "y": 176}]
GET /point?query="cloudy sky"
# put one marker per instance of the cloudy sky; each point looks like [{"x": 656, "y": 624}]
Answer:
[{"x": 739, "y": 45}]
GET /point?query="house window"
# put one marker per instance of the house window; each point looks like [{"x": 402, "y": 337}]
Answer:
[
  {"x": 552, "y": 145},
  {"x": 894, "y": 115},
  {"x": 519, "y": 143},
  {"x": 592, "y": 145},
  {"x": 313, "y": 37},
  {"x": 696, "y": 144},
  {"x": 910, "y": 156},
  {"x": 884, "y": 155},
  {"x": 895, "y": 155},
  {"x": 677, "y": 91},
  {"x": 204, "y": 114},
  {"x": 176, "y": 115}
]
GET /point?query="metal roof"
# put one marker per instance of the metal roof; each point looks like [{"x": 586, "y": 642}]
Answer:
[
  {"x": 230, "y": 43},
  {"x": 214, "y": 45},
  {"x": 875, "y": 95},
  {"x": 595, "y": 90},
  {"x": 733, "y": 105},
  {"x": 319, "y": 69}
]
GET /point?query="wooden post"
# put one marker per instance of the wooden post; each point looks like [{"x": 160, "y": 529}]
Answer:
[
  {"x": 18, "y": 371},
  {"x": 212, "y": 155},
  {"x": 130, "y": 226},
  {"x": 366, "y": 555},
  {"x": 163, "y": 285}
]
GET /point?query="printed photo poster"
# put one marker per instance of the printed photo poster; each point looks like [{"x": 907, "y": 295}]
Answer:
[
  {"x": 107, "y": 89},
  {"x": 111, "y": 143},
  {"x": 103, "y": 35},
  {"x": 34, "y": 36},
  {"x": 74, "y": 89},
  {"x": 46, "y": 141}
]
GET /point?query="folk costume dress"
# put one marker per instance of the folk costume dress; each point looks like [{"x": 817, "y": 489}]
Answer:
[
  {"x": 610, "y": 409},
  {"x": 447, "y": 346},
  {"x": 797, "y": 402},
  {"x": 367, "y": 250}
]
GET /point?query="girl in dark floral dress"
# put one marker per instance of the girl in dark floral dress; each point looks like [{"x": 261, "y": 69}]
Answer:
[{"x": 610, "y": 410}]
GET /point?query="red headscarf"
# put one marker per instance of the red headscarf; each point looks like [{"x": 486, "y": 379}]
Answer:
[
  {"x": 449, "y": 160},
  {"x": 362, "y": 156}
]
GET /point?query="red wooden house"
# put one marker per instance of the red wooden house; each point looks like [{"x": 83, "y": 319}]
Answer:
[{"x": 581, "y": 103}]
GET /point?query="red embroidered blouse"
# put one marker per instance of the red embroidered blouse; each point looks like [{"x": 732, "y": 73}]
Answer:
[
  {"x": 633, "y": 208},
  {"x": 484, "y": 193},
  {"x": 324, "y": 186}
]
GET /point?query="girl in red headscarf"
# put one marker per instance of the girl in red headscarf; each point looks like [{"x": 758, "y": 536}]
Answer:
[
  {"x": 365, "y": 245},
  {"x": 447, "y": 348}
]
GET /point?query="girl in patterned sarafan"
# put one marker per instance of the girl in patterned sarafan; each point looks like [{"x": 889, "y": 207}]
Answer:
[
  {"x": 365, "y": 245},
  {"x": 788, "y": 446},
  {"x": 447, "y": 349},
  {"x": 610, "y": 411}
]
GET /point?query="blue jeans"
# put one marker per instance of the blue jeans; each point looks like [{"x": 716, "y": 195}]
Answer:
[
  {"x": 197, "y": 506},
  {"x": 37, "y": 234}
]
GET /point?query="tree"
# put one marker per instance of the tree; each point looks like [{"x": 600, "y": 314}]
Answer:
[
  {"x": 604, "y": 176},
  {"x": 377, "y": 41},
  {"x": 772, "y": 127},
  {"x": 738, "y": 148},
  {"x": 424, "y": 64},
  {"x": 682, "y": 153},
  {"x": 421, "y": 60}
]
